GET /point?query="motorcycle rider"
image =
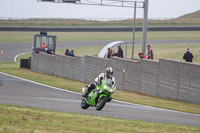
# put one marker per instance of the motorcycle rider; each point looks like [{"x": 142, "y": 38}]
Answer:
[{"x": 110, "y": 81}]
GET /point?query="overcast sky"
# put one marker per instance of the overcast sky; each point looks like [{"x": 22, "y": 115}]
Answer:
[{"x": 33, "y": 9}]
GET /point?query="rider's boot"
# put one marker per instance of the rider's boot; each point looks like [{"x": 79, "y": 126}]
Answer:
[{"x": 84, "y": 92}]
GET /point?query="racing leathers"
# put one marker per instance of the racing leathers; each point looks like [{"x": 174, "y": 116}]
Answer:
[{"x": 110, "y": 81}]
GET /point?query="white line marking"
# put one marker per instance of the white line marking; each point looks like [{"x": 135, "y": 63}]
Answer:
[
  {"x": 80, "y": 94},
  {"x": 55, "y": 99},
  {"x": 15, "y": 59},
  {"x": 10, "y": 79},
  {"x": 40, "y": 83}
]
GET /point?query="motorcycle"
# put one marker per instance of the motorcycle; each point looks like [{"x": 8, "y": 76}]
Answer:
[{"x": 97, "y": 97}]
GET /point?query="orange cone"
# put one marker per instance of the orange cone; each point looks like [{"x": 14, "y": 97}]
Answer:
[{"x": 1, "y": 52}]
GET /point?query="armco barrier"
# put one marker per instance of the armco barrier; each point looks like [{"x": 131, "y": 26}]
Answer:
[{"x": 166, "y": 78}]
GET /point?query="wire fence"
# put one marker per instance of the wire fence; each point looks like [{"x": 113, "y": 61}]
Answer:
[{"x": 89, "y": 19}]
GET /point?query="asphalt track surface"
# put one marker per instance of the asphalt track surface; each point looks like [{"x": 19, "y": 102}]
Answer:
[{"x": 17, "y": 91}]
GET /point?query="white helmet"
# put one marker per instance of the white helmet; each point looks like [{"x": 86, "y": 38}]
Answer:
[{"x": 109, "y": 72}]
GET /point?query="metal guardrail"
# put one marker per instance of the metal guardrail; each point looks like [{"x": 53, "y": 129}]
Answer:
[{"x": 98, "y": 29}]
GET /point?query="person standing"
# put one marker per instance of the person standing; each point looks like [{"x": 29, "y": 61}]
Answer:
[
  {"x": 67, "y": 52},
  {"x": 109, "y": 53},
  {"x": 188, "y": 56},
  {"x": 149, "y": 53},
  {"x": 72, "y": 52},
  {"x": 113, "y": 53},
  {"x": 44, "y": 45},
  {"x": 120, "y": 52}
]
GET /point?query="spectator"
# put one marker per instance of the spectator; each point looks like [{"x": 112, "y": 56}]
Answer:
[
  {"x": 69, "y": 53},
  {"x": 188, "y": 56},
  {"x": 120, "y": 52},
  {"x": 142, "y": 56},
  {"x": 37, "y": 50},
  {"x": 48, "y": 51},
  {"x": 44, "y": 45},
  {"x": 109, "y": 53},
  {"x": 113, "y": 53},
  {"x": 149, "y": 53},
  {"x": 72, "y": 52}
]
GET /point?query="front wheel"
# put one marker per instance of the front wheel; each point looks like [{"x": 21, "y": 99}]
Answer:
[
  {"x": 84, "y": 104},
  {"x": 101, "y": 103}
]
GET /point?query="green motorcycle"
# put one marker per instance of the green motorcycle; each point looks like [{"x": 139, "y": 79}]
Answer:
[{"x": 97, "y": 97}]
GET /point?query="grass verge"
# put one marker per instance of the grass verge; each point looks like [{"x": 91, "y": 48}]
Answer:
[
  {"x": 20, "y": 119},
  {"x": 13, "y": 69},
  {"x": 9, "y": 36}
]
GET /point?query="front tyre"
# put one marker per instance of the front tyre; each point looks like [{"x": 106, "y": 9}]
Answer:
[
  {"x": 84, "y": 104},
  {"x": 101, "y": 103}
]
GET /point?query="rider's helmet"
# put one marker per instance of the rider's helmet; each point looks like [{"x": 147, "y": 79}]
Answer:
[{"x": 109, "y": 72}]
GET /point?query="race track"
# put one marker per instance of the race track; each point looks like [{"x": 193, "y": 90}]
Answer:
[{"x": 16, "y": 91}]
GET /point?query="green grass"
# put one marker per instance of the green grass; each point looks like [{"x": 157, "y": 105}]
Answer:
[
  {"x": 15, "y": 119},
  {"x": 82, "y": 36},
  {"x": 13, "y": 69}
]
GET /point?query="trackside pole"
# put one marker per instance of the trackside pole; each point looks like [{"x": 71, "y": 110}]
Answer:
[
  {"x": 118, "y": 3},
  {"x": 144, "y": 29},
  {"x": 134, "y": 24}
]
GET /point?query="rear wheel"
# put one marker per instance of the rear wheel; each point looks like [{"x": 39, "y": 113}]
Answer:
[
  {"x": 84, "y": 104},
  {"x": 101, "y": 103}
]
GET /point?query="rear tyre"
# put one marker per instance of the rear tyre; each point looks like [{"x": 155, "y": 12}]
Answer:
[
  {"x": 101, "y": 103},
  {"x": 84, "y": 104}
]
